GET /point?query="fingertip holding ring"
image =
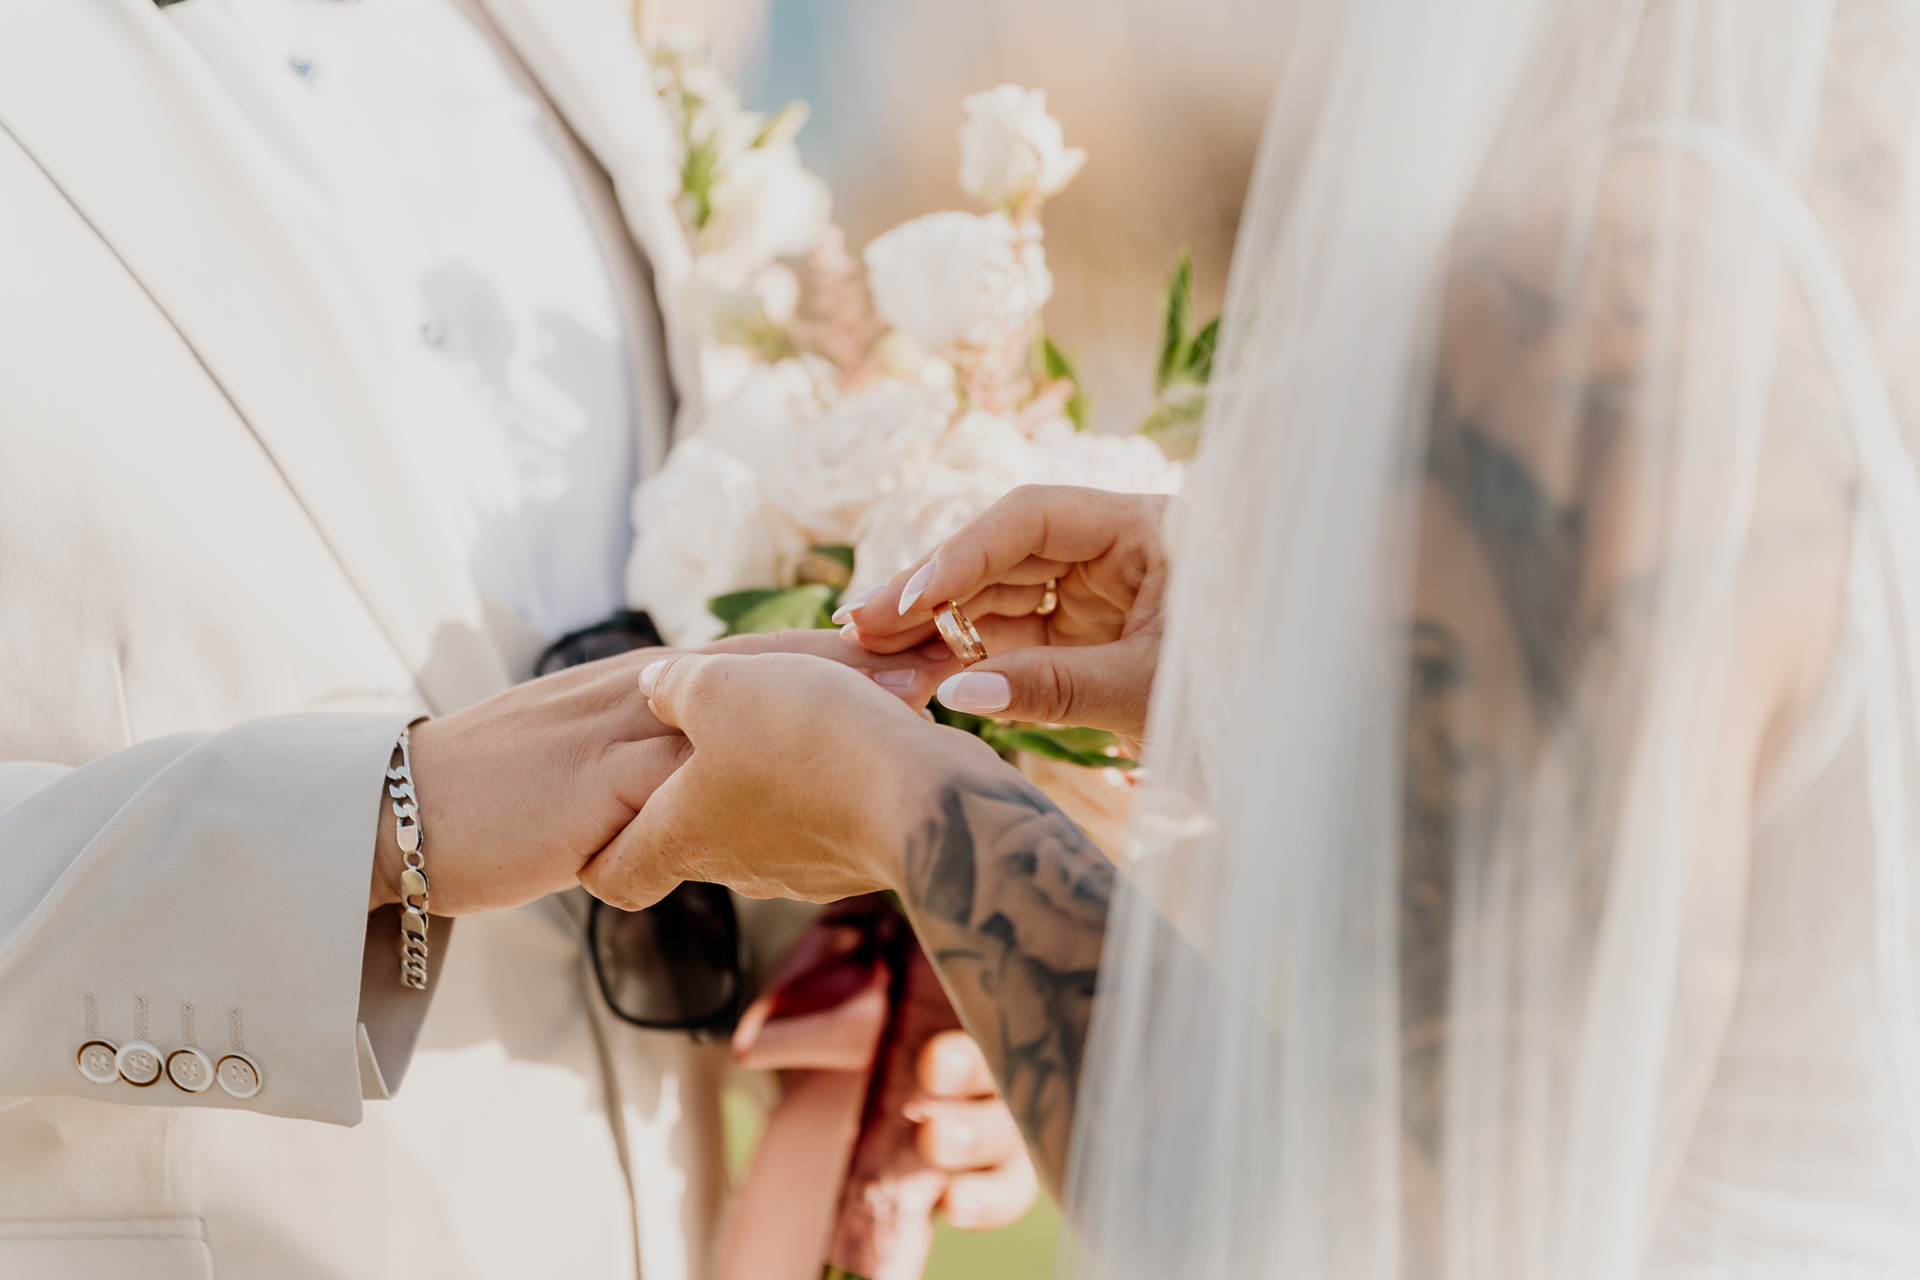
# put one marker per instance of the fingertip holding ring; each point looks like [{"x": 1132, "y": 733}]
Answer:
[{"x": 958, "y": 631}]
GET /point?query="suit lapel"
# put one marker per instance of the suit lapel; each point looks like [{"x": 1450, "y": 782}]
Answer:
[
  {"x": 112, "y": 103},
  {"x": 587, "y": 61}
]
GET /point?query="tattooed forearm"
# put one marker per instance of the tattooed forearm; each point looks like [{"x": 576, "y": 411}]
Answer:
[{"x": 1011, "y": 901}]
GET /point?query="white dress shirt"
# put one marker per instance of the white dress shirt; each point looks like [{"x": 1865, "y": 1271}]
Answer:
[{"x": 450, "y": 194}]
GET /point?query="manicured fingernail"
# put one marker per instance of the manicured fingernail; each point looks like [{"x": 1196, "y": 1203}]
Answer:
[
  {"x": 915, "y": 585},
  {"x": 845, "y": 611},
  {"x": 649, "y": 674},
  {"x": 900, "y": 678},
  {"x": 849, "y": 628},
  {"x": 978, "y": 692}
]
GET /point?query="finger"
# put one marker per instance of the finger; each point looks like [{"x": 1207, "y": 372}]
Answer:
[
  {"x": 1102, "y": 686},
  {"x": 635, "y": 870},
  {"x": 961, "y": 1137},
  {"x": 681, "y": 689},
  {"x": 993, "y": 1199},
  {"x": 1057, "y": 523},
  {"x": 635, "y": 770},
  {"x": 1004, "y": 600},
  {"x": 892, "y": 642},
  {"x": 952, "y": 1065}
]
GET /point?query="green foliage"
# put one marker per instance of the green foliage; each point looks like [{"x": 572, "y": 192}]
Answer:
[
  {"x": 763, "y": 609},
  {"x": 1086, "y": 747},
  {"x": 1184, "y": 369},
  {"x": 1176, "y": 324},
  {"x": 1059, "y": 365},
  {"x": 842, "y": 555}
]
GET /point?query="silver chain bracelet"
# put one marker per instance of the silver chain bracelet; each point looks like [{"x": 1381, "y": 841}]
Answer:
[{"x": 413, "y": 877}]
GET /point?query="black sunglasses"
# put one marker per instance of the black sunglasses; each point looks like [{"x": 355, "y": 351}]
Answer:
[{"x": 678, "y": 965}]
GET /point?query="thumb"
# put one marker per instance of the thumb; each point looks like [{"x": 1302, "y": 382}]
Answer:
[
  {"x": 675, "y": 688},
  {"x": 1102, "y": 686},
  {"x": 637, "y": 868}
]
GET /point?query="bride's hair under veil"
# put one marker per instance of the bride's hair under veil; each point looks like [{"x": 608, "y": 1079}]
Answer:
[{"x": 1526, "y": 887}]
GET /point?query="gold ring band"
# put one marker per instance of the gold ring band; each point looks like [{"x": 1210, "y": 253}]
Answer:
[
  {"x": 957, "y": 630},
  {"x": 1049, "y": 599}
]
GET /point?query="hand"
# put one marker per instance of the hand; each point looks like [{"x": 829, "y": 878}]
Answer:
[
  {"x": 519, "y": 791},
  {"x": 1091, "y": 661},
  {"x": 804, "y": 779},
  {"x": 967, "y": 1131},
  {"x": 797, "y": 775}
]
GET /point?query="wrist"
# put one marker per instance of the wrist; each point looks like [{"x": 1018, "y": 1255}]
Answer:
[
  {"x": 911, "y": 776},
  {"x": 388, "y": 861},
  {"x": 384, "y": 889}
]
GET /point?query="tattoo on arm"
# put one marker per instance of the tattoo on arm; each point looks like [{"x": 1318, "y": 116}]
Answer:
[{"x": 1011, "y": 899}]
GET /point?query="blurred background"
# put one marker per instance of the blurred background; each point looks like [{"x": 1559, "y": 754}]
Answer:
[{"x": 1167, "y": 98}]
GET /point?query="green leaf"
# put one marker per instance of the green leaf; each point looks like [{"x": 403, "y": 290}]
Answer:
[
  {"x": 1175, "y": 425},
  {"x": 1176, "y": 329},
  {"x": 1200, "y": 359},
  {"x": 1060, "y": 365},
  {"x": 1085, "y": 747},
  {"x": 841, "y": 553},
  {"x": 943, "y": 714},
  {"x": 696, "y": 181},
  {"x": 763, "y": 609},
  {"x": 785, "y": 124}
]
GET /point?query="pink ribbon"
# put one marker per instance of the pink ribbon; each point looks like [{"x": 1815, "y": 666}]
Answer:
[{"x": 837, "y": 1178}]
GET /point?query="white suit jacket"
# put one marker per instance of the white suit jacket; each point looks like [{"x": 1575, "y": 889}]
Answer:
[{"x": 219, "y": 601}]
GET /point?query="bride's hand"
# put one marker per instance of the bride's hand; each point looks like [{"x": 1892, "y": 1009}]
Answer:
[{"x": 1091, "y": 660}]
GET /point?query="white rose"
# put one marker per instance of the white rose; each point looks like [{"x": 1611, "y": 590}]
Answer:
[
  {"x": 831, "y": 469},
  {"x": 958, "y": 279},
  {"x": 1012, "y": 150},
  {"x": 972, "y": 466},
  {"x": 704, "y": 529},
  {"x": 1121, "y": 464},
  {"x": 764, "y": 206}
]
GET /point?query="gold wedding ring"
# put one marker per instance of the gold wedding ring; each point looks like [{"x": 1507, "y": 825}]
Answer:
[
  {"x": 1050, "y": 599},
  {"x": 957, "y": 630}
]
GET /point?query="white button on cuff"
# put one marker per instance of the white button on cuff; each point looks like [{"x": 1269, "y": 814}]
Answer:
[
  {"x": 190, "y": 1069},
  {"x": 139, "y": 1062},
  {"x": 238, "y": 1075},
  {"x": 99, "y": 1061}
]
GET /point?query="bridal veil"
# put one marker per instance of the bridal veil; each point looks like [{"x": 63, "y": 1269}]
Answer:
[{"x": 1527, "y": 885}]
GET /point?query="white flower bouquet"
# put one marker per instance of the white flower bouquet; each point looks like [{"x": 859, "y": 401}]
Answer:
[{"x": 858, "y": 417}]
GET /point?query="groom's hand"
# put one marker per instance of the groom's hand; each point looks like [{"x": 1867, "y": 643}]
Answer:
[{"x": 517, "y": 792}]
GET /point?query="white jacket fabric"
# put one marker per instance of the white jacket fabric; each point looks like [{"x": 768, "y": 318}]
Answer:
[{"x": 219, "y": 601}]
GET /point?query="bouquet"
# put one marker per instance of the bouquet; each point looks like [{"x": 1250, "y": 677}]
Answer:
[{"x": 862, "y": 410}]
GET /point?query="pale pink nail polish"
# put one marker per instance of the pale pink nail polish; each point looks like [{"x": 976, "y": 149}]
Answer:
[
  {"x": 915, "y": 585},
  {"x": 845, "y": 611},
  {"x": 849, "y": 628},
  {"x": 649, "y": 674},
  {"x": 898, "y": 679},
  {"x": 978, "y": 693}
]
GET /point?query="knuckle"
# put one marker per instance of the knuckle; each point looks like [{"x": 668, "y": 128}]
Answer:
[{"x": 1053, "y": 694}]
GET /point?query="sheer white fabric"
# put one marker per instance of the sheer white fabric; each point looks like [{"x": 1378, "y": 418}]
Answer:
[{"x": 1528, "y": 884}]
